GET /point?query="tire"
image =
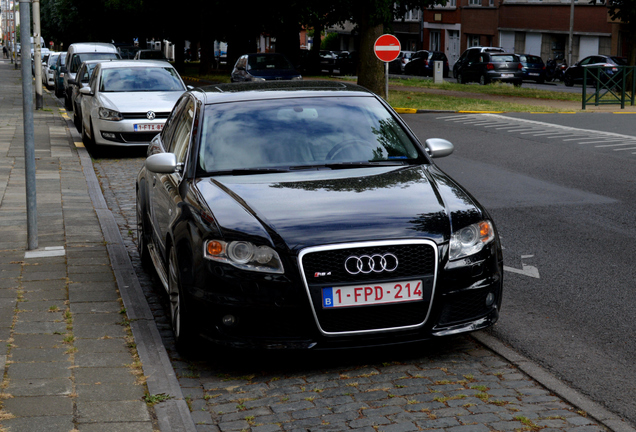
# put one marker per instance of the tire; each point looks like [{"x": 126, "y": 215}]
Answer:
[
  {"x": 77, "y": 120},
  {"x": 67, "y": 102},
  {"x": 142, "y": 234},
  {"x": 568, "y": 81},
  {"x": 483, "y": 80},
  {"x": 182, "y": 326},
  {"x": 460, "y": 78}
]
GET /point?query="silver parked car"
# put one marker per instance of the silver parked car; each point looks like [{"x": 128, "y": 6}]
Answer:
[
  {"x": 128, "y": 101},
  {"x": 48, "y": 70}
]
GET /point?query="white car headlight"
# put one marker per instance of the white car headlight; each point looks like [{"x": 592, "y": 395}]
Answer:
[
  {"x": 471, "y": 239},
  {"x": 244, "y": 255},
  {"x": 109, "y": 114}
]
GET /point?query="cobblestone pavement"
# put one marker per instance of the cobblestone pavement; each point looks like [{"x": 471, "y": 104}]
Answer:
[{"x": 455, "y": 385}]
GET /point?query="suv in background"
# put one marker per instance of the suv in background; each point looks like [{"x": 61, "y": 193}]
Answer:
[
  {"x": 423, "y": 63},
  {"x": 77, "y": 54},
  {"x": 463, "y": 59}
]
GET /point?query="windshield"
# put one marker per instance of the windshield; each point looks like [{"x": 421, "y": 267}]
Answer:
[
  {"x": 503, "y": 58},
  {"x": 531, "y": 59},
  {"x": 140, "y": 79},
  {"x": 621, "y": 61},
  {"x": 262, "y": 62},
  {"x": 78, "y": 59},
  {"x": 301, "y": 132}
]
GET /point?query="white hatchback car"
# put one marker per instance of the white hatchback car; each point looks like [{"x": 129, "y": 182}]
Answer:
[{"x": 127, "y": 102}]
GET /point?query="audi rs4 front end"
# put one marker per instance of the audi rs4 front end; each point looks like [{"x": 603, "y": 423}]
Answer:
[{"x": 308, "y": 216}]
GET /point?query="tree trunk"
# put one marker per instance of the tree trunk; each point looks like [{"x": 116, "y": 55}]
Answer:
[{"x": 371, "y": 75}]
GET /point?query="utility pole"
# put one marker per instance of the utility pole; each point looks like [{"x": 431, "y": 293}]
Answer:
[
  {"x": 571, "y": 33},
  {"x": 29, "y": 135},
  {"x": 37, "y": 55}
]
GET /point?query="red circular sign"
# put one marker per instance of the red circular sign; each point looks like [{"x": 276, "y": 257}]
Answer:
[{"x": 387, "y": 48}]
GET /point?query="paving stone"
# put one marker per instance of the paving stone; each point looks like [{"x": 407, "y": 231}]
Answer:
[
  {"x": 63, "y": 423},
  {"x": 39, "y": 406},
  {"x": 111, "y": 411},
  {"x": 40, "y": 387},
  {"x": 109, "y": 392},
  {"x": 46, "y": 370}
]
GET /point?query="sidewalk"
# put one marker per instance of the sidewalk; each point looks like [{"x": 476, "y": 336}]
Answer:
[{"x": 70, "y": 358}]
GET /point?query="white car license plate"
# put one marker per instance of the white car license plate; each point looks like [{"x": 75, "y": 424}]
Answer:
[
  {"x": 379, "y": 293},
  {"x": 507, "y": 75},
  {"x": 148, "y": 127}
]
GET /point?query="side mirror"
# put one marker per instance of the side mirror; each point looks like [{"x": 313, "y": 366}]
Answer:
[
  {"x": 162, "y": 163},
  {"x": 86, "y": 91},
  {"x": 438, "y": 147}
]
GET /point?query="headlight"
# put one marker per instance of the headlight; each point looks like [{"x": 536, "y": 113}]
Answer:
[
  {"x": 109, "y": 114},
  {"x": 244, "y": 255},
  {"x": 470, "y": 240},
  {"x": 297, "y": 78}
]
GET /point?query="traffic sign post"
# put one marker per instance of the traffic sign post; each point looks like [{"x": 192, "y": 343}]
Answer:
[{"x": 387, "y": 48}]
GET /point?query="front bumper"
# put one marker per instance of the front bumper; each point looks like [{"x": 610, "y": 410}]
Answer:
[
  {"x": 274, "y": 312},
  {"x": 128, "y": 132}
]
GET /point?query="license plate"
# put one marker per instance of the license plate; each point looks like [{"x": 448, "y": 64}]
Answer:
[
  {"x": 533, "y": 74},
  {"x": 379, "y": 293},
  {"x": 148, "y": 127},
  {"x": 507, "y": 75}
]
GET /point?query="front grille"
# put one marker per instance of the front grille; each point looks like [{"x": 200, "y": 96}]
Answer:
[
  {"x": 324, "y": 267},
  {"x": 413, "y": 260},
  {"x": 142, "y": 116}
]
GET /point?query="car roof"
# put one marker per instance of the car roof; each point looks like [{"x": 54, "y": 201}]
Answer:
[
  {"x": 91, "y": 46},
  {"x": 276, "y": 90},
  {"x": 110, "y": 64}
]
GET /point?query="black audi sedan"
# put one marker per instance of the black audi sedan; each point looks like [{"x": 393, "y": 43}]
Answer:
[{"x": 307, "y": 215}]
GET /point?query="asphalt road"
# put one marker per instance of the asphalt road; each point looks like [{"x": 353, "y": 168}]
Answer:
[{"x": 561, "y": 191}]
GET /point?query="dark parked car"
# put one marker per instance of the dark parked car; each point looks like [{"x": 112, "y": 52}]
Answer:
[
  {"x": 423, "y": 63},
  {"x": 60, "y": 70},
  {"x": 471, "y": 54},
  {"x": 532, "y": 67},
  {"x": 488, "y": 67},
  {"x": 264, "y": 67},
  {"x": 397, "y": 65},
  {"x": 574, "y": 74},
  {"x": 306, "y": 215}
]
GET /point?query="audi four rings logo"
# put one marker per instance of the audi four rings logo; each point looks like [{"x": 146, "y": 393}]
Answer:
[
  {"x": 366, "y": 264},
  {"x": 150, "y": 115}
]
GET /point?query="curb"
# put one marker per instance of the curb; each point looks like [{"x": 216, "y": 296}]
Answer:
[
  {"x": 172, "y": 414},
  {"x": 600, "y": 414}
]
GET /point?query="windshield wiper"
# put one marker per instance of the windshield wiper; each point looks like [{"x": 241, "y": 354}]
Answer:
[
  {"x": 247, "y": 171},
  {"x": 345, "y": 165}
]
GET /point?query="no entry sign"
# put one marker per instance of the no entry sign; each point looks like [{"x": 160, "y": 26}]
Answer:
[{"x": 387, "y": 48}]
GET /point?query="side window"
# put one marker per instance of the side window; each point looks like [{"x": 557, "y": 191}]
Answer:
[
  {"x": 93, "y": 80},
  {"x": 171, "y": 123},
  {"x": 182, "y": 133},
  {"x": 75, "y": 63}
]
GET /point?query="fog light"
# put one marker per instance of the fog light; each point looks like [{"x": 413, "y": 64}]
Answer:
[
  {"x": 228, "y": 320},
  {"x": 490, "y": 299}
]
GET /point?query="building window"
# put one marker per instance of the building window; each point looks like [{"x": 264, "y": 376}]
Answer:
[
  {"x": 491, "y": 2},
  {"x": 435, "y": 42},
  {"x": 474, "y": 2},
  {"x": 473, "y": 40},
  {"x": 413, "y": 15}
]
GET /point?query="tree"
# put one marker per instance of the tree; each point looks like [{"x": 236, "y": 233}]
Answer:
[{"x": 624, "y": 11}]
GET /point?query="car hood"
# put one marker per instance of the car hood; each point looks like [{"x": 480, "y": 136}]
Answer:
[
  {"x": 140, "y": 101},
  {"x": 298, "y": 210}
]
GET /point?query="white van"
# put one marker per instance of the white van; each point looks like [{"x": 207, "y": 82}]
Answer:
[{"x": 78, "y": 53}]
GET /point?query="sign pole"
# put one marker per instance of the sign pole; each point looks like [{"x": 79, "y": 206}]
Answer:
[
  {"x": 386, "y": 80},
  {"x": 387, "y": 48}
]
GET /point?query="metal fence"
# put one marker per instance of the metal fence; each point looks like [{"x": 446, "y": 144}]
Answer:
[{"x": 612, "y": 85}]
